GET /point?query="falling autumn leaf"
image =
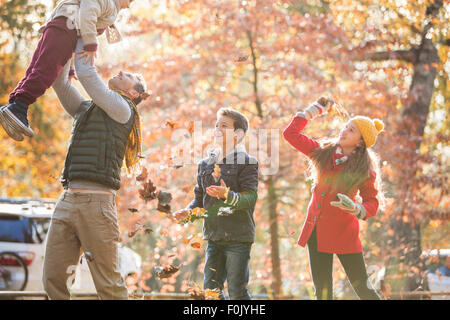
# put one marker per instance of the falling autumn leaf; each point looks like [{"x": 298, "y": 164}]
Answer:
[
  {"x": 191, "y": 128},
  {"x": 135, "y": 230},
  {"x": 164, "y": 197},
  {"x": 216, "y": 174},
  {"x": 133, "y": 210},
  {"x": 143, "y": 175},
  {"x": 242, "y": 58},
  {"x": 162, "y": 214},
  {"x": 164, "y": 208},
  {"x": 172, "y": 124},
  {"x": 196, "y": 245},
  {"x": 55, "y": 178},
  {"x": 166, "y": 272},
  {"x": 194, "y": 214},
  {"x": 188, "y": 239},
  {"x": 138, "y": 227},
  {"x": 148, "y": 230},
  {"x": 148, "y": 192}
]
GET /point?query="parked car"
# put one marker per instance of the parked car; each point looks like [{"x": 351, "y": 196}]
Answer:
[
  {"x": 23, "y": 230},
  {"x": 435, "y": 261},
  {"x": 434, "y": 282}
]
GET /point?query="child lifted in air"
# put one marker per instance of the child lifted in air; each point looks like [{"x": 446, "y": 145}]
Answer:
[{"x": 70, "y": 20}]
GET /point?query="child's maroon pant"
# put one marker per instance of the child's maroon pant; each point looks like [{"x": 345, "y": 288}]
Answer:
[{"x": 54, "y": 49}]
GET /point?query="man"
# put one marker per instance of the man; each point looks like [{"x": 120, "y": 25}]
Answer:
[
  {"x": 230, "y": 234},
  {"x": 105, "y": 131}
]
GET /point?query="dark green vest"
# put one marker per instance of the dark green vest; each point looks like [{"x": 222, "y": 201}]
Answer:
[{"x": 97, "y": 147}]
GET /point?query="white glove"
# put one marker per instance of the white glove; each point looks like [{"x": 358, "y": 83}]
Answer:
[
  {"x": 322, "y": 105},
  {"x": 347, "y": 204}
]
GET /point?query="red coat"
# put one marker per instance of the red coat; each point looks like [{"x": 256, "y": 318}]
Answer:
[{"x": 337, "y": 230}]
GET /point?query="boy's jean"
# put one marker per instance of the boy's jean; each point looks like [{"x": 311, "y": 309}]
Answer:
[{"x": 228, "y": 260}]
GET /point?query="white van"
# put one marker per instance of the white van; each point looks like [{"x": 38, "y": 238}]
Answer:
[{"x": 23, "y": 230}]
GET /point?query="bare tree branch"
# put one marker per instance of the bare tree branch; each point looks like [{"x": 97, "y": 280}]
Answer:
[{"x": 405, "y": 55}]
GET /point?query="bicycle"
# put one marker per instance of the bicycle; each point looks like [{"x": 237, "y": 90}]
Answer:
[{"x": 13, "y": 272}]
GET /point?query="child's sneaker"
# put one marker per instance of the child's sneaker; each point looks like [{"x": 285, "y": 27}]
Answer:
[
  {"x": 15, "y": 115},
  {"x": 9, "y": 128}
]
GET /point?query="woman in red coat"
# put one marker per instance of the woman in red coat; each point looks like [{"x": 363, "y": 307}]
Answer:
[{"x": 340, "y": 168}]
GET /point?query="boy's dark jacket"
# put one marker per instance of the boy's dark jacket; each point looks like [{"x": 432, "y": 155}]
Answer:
[{"x": 239, "y": 171}]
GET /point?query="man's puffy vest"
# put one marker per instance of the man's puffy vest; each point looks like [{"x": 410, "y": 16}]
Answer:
[{"x": 97, "y": 147}]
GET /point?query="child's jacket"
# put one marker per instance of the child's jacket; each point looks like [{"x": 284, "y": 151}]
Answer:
[
  {"x": 89, "y": 17},
  {"x": 337, "y": 230},
  {"x": 239, "y": 171}
]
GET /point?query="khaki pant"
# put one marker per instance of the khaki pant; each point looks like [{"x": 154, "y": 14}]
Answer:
[{"x": 88, "y": 221}]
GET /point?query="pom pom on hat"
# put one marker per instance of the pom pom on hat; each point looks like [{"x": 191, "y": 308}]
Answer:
[
  {"x": 379, "y": 125},
  {"x": 368, "y": 128}
]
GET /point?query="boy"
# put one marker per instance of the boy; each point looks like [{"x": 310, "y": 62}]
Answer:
[
  {"x": 69, "y": 20},
  {"x": 230, "y": 236}
]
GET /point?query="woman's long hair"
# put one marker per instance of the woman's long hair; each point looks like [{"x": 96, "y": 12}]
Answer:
[{"x": 355, "y": 171}]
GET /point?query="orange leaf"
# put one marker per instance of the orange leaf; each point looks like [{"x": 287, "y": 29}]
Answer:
[
  {"x": 171, "y": 124},
  {"x": 196, "y": 245}
]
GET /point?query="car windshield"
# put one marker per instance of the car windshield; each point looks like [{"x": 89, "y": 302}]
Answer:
[{"x": 16, "y": 228}]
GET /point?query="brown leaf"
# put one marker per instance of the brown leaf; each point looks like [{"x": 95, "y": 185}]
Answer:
[
  {"x": 167, "y": 271},
  {"x": 171, "y": 124},
  {"x": 147, "y": 230},
  {"x": 242, "y": 58},
  {"x": 136, "y": 229},
  {"x": 148, "y": 193},
  {"x": 143, "y": 175},
  {"x": 164, "y": 208},
  {"x": 164, "y": 197},
  {"x": 133, "y": 210}
]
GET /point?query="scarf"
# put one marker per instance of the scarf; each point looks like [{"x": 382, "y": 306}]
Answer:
[
  {"x": 213, "y": 155},
  {"x": 343, "y": 159}
]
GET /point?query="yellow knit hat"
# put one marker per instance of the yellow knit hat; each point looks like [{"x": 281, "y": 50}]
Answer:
[{"x": 369, "y": 128}]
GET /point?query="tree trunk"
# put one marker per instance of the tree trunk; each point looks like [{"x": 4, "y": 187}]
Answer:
[
  {"x": 272, "y": 201},
  {"x": 405, "y": 244},
  {"x": 272, "y": 196}
]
